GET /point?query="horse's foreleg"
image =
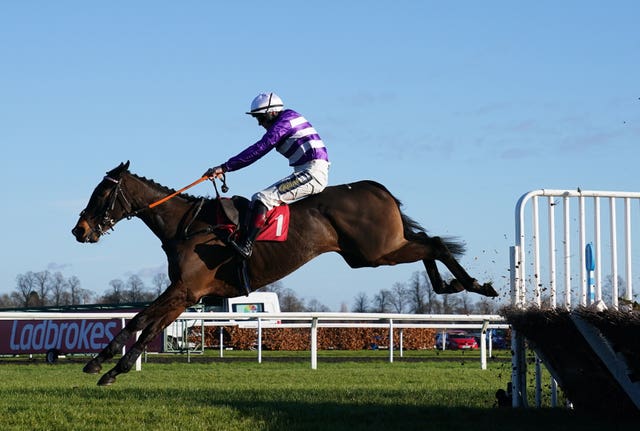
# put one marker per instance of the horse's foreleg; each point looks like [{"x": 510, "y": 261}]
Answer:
[
  {"x": 171, "y": 299},
  {"x": 127, "y": 360},
  {"x": 150, "y": 321},
  {"x": 115, "y": 345}
]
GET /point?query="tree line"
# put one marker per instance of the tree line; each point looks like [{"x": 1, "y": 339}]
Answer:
[
  {"x": 45, "y": 288},
  {"x": 415, "y": 296}
]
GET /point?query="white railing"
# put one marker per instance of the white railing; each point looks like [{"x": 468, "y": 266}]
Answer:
[
  {"x": 574, "y": 253},
  {"x": 558, "y": 260},
  {"x": 311, "y": 320}
]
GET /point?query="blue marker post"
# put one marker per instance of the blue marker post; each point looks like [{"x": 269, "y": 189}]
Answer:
[{"x": 591, "y": 266}]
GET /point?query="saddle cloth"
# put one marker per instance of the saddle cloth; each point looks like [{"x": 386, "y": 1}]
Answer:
[{"x": 276, "y": 227}]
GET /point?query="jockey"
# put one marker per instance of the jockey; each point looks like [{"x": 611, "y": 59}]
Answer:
[{"x": 293, "y": 137}]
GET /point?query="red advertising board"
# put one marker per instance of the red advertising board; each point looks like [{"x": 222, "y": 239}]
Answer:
[{"x": 67, "y": 336}]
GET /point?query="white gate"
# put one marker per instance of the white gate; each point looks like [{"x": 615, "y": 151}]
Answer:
[{"x": 572, "y": 248}]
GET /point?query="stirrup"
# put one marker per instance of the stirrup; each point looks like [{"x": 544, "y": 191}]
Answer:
[{"x": 244, "y": 250}]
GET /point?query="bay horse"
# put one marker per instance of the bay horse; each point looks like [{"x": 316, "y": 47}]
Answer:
[{"x": 361, "y": 221}]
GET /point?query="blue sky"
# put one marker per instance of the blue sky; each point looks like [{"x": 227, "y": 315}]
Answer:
[{"x": 459, "y": 108}]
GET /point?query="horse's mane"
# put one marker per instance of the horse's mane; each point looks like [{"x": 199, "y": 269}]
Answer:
[{"x": 163, "y": 188}]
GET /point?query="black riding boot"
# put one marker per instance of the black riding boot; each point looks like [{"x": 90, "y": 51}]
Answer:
[{"x": 255, "y": 222}]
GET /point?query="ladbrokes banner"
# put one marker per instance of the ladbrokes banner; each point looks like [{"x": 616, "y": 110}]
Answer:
[{"x": 67, "y": 336}]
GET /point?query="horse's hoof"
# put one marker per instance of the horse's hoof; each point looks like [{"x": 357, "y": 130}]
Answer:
[
  {"x": 92, "y": 367},
  {"x": 106, "y": 380},
  {"x": 488, "y": 290},
  {"x": 454, "y": 287}
]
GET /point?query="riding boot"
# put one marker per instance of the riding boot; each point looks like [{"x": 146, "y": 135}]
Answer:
[{"x": 256, "y": 220}]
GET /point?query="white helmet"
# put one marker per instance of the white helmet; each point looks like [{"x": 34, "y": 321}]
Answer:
[{"x": 266, "y": 102}]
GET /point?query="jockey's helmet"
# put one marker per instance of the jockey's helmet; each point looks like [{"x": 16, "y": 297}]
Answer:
[{"x": 266, "y": 102}]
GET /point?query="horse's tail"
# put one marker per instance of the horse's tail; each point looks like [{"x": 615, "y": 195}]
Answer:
[{"x": 413, "y": 231}]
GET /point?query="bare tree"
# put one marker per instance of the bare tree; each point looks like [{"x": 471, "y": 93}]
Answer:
[
  {"x": 117, "y": 293},
  {"x": 60, "y": 294},
  {"x": 464, "y": 306},
  {"x": 289, "y": 301},
  {"x": 433, "y": 305},
  {"x": 424, "y": 300},
  {"x": 160, "y": 282},
  {"x": 381, "y": 301},
  {"x": 25, "y": 284},
  {"x": 450, "y": 304},
  {"x": 398, "y": 298},
  {"x": 8, "y": 301},
  {"x": 315, "y": 305},
  {"x": 416, "y": 294},
  {"x": 75, "y": 290},
  {"x": 78, "y": 294},
  {"x": 276, "y": 287},
  {"x": 43, "y": 286},
  {"x": 360, "y": 303},
  {"x": 287, "y": 298},
  {"x": 135, "y": 291}
]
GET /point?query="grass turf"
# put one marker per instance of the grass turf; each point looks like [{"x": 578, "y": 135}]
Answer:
[{"x": 283, "y": 395}]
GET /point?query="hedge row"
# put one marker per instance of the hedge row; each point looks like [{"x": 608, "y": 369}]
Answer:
[{"x": 328, "y": 338}]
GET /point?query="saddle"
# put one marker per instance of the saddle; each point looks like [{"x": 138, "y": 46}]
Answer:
[
  {"x": 236, "y": 209},
  {"x": 232, "y": 207}
]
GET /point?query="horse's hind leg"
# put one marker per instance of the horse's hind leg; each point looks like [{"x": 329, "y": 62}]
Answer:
[
  {"x": 439, "y": 286},
  {"x": 462, "y": 279},
  {"x": 429, "y": 249}
]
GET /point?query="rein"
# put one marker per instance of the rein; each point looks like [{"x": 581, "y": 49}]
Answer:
[
  {"x": 131, "y": 214},
  {"x": 107, "y": 221},
  {"x": 166, "y": 198}
]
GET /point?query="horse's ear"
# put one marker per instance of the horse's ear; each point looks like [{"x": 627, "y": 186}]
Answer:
[{"x": 118, "y": 170}]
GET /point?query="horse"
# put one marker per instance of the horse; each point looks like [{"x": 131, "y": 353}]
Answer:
[{"x": 361, "y": 221}]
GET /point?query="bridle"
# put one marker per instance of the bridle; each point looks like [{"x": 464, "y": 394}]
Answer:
[
  {"x": 117, "y": 194},
  {"x": 107, "y": 221}
]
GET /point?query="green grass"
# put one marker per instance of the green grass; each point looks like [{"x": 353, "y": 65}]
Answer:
[
  {"x": 382, "y": 354},
  {"x": 277, "y": 395}
]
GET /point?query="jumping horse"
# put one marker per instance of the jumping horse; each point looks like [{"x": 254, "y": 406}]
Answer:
[{"x": 361, "y": 221}]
